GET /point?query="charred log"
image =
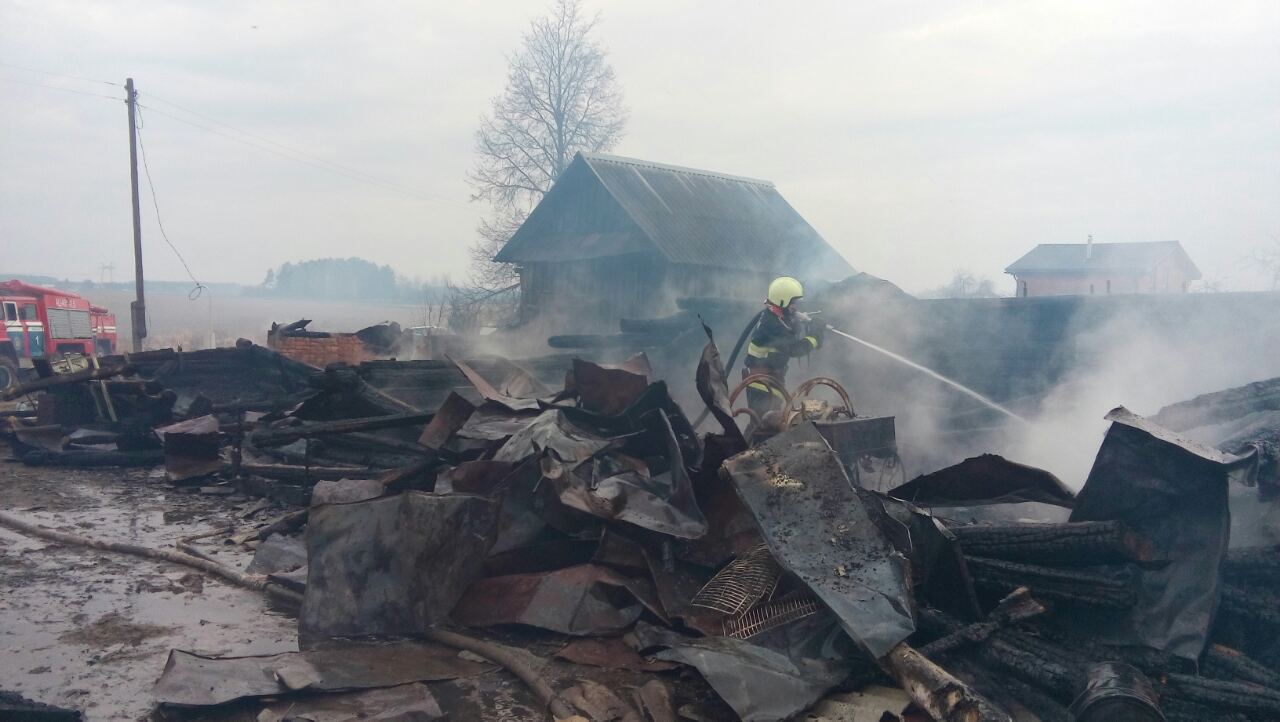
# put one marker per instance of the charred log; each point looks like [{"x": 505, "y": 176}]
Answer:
[
  {"x": 276, "y": 437},
  {"x": 1229, "y": 664},
  {"x": 1103, "y": 589},
  {"x": 1079, "y": 544},
  {"x": 1251, "y": 699},
  {"x": 1252, "y": 603},
  {"x": 88, "y": 458}
]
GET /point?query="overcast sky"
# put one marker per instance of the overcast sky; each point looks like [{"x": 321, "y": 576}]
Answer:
[{"x": 917, "y": 137}]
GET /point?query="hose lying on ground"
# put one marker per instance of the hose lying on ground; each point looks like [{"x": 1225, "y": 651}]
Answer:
[{"x": 517, "y": 661}]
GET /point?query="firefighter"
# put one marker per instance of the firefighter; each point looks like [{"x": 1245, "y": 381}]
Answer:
[{"x": 783, "y": 333}]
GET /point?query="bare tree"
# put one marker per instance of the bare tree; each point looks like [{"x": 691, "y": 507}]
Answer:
[
  {"x": 964, "y": 285},
  {"x": 1267, "y": 260},
  {"x": 561, "y": 97}
]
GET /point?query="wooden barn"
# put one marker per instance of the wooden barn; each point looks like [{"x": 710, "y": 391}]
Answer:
[{"x": 618, "y": 237}]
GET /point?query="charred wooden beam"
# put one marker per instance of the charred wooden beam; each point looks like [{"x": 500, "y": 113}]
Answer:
[
  {"x": 56, "y": 380},
  {"x": 286, "y": 524},
  {"x": 1252, "y": 603},
  {"x": 416, "y": 475},
  {"x": 361, "y": 439},
  {"x": 1262, "y": 564},
  {"x": 1223, "y": 662},
  {"x": 91, "y": 458},
  {"x": 1251, "y": 699},
  {"x": 1055, "y": 669},
  {"x": 1016, "y": 607},
  {"x": 1102, "y": 589},
  {"x": 290, "y": 472},
  {"x": 1079, "y": 543},
  {"x": 277, "y": 437}
]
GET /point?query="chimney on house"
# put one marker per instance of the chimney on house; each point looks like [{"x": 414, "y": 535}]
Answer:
[{"x": 1088, "y": 248}]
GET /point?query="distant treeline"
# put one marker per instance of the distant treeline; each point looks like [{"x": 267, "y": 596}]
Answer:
[
  {"x": 347, "y": 279},
  {"x": 87, "y": 287},
  {"x": 342, "y": 279}
]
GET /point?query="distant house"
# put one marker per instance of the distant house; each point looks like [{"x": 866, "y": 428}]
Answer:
[
  {"x": 618, "y": 237},
  {"x": 1084, "y": 269}
]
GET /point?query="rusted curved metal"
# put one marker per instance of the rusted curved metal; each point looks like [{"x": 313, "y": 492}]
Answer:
[
  {"x": 795, "y": 409},
  {"x": 767, "y": 380}
]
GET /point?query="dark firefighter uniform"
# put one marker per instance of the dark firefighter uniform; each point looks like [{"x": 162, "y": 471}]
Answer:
[{"x": 781, "y": 335}]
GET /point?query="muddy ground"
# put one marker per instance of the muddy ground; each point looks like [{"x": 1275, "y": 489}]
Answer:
[{"x": 91, "y": 630}]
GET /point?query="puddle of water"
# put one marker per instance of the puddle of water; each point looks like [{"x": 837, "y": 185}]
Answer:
[{"x": 91, "y": 630}]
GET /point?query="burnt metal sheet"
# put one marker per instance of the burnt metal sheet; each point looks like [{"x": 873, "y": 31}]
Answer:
[
  {"x": 492, "y": 394},
  {"x": 492, "y": 421},
  {"x": 620, "y": 488},
  {"x": 193, "y": 680},
  {"x": 345, "y": 491},
  {"x": 473, "y": 477},
  {"x": 583, "y": 600},
  {"x": 392, "y": 565},
  {"x": 713, "y": 386},
  {"x": 985, "y": 479},
  {"x": 446, "y": 421},
  {"x": 192, "y": 448},
  {"x": 552, "y": 430},
  {"x": 610, "y": 388},
  {"x": 1173, "y": 492},
  {"x": 820, "y": 528},
  {"x": 391, "y": 704},
  {"x": 279, "y": 553},
  {"x": 759, "y": 683},
  {"x": 732, "y": 528}
]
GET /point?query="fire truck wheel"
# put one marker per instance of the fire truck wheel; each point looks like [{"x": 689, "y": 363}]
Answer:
[{"x": 8, "y": 374}]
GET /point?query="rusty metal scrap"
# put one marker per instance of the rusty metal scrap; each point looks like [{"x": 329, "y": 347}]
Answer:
[{"x": 742, "y": 584}]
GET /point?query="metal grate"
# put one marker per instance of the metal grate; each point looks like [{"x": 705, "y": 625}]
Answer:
[
  {"x": 745, "y": 581},
  {"x": 771, "y": 615}
]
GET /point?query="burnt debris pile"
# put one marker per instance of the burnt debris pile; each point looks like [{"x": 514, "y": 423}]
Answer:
[{"x": 626, "y": 566}]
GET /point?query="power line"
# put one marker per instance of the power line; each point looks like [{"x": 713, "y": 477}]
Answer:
[
  {"x": 282, "y": 146},
  {"x": 65, "y": 90},
  {"x": 199, "y": 287},
  {"x": 60, "y": 75},
  {"x": 300, "y": 158}
]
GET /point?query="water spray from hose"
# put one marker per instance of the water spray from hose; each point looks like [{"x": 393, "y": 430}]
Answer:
[{"x": 954, "y": 384}]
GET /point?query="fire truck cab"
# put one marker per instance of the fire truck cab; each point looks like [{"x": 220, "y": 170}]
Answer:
[{"x": 44, "y": 322}]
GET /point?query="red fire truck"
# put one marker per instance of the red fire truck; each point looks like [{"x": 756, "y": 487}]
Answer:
[{"x": 44, "y": 322}]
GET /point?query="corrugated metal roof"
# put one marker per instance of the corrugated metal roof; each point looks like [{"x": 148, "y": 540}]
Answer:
[
  {"x": 1075, "y": 257},
  {"x": 695, "y": 217}
]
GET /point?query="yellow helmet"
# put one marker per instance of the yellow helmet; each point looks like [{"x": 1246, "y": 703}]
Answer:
[{"x": 784, "y": 290}]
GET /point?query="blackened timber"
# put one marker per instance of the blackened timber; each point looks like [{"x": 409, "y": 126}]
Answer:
[
  {"x": 1226, "y": 663},
  {"x": 92, "y": 458},
  {"x": 1016, "y": 607},
  {"x": 1081, "y": 543},
  {"x": 357, "y": 438},
  {"x": 1096, "y": 588},
  {"x": 286, "y": 524},
  {"x": 97, "y": 374},
  {"x": 414, "y": 475},
  {"x": 276, "y": 437},
  {"x": 1252, "y": 699},
  {"x": 1052, "y": 668},
  {"x": 288, "y": 472},
  {"x": 1251, "y": 603},
  {"x": 1261, "y": 563}
]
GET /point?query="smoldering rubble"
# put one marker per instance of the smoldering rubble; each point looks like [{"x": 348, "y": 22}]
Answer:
[{"x": 442, "y": 525}]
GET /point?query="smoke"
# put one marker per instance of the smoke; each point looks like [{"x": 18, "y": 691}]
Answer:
[
  {"x": 1063, "y": 363},
  {"x": 1144, "y": 364}
]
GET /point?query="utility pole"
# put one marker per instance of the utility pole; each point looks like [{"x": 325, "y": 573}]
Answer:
[{"x": 138, "y": 309}]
